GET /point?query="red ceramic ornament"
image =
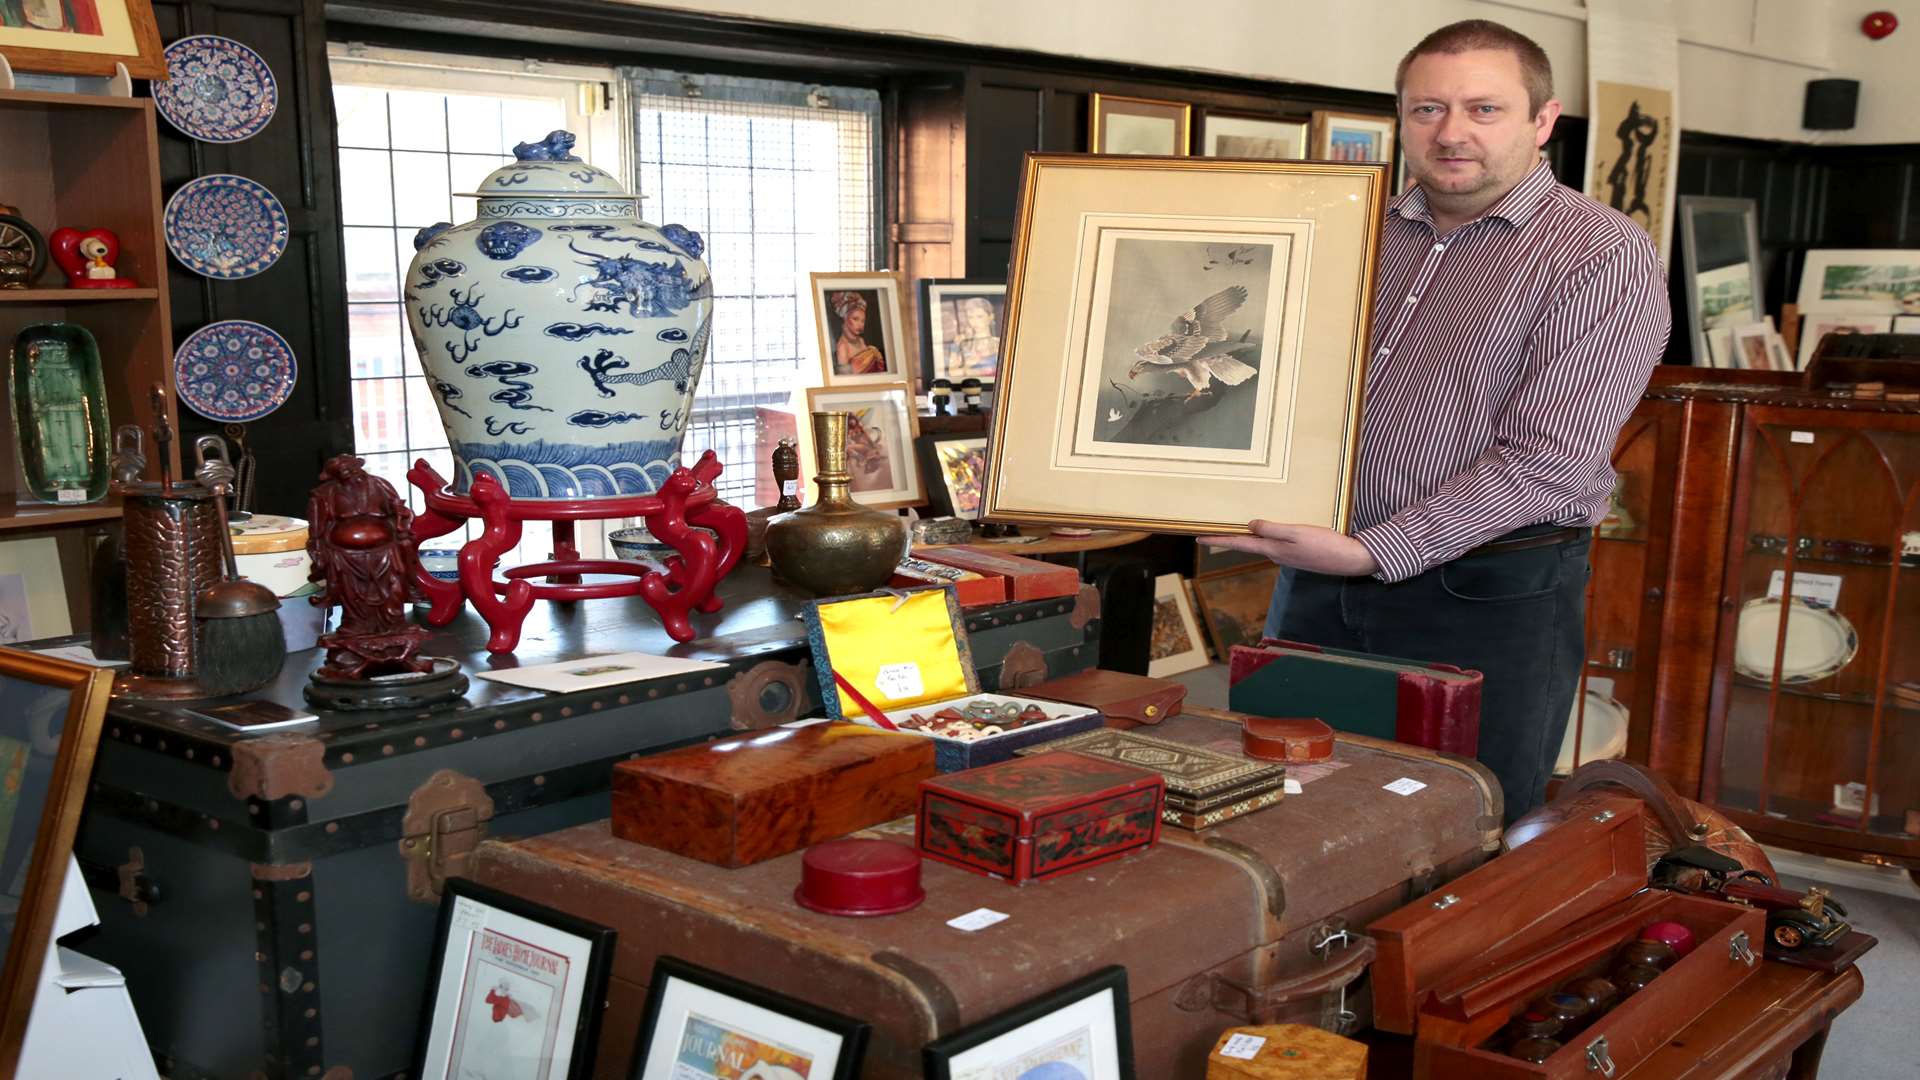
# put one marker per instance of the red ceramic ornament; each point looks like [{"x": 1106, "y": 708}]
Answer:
[
  {"x": 1670, "y": 933},
  {"x": 1880, "y": 24},
  {"x": 859, "y": 877},
  {"x": 89, "y": 258}
]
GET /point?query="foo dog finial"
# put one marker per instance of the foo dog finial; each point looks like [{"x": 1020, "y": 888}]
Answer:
[{"x": 557, "y": 146}]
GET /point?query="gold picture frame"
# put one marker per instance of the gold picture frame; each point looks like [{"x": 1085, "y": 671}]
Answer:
[
  {"x": 849, "y": 351},
  {"x": 1358, "y": 137},
  {"x": 883, "y": 421},
  {"x": 1106, "y": 416},
  {"x": 1264, "y": 138},
  {"x": 32, "y": 689},
  {"x": 87, "y": 41},
  {"x": 1117, "y": 124}
]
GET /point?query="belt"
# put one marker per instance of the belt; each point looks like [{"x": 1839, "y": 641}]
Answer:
[{"x": 1505, "y": 544}]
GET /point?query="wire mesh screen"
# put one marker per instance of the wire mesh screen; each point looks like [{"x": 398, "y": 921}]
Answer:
[{"x": 781, "y": 179}]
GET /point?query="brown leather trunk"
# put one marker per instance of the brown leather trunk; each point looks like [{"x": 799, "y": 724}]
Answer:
[{"x": 1216, "y": 929}]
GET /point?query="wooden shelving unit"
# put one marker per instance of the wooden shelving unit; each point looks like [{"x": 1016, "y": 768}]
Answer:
[{"x": 89, "y": 162}]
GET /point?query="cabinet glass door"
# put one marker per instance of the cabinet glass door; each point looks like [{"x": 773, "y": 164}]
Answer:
[{"x": 1818, "y": 694}]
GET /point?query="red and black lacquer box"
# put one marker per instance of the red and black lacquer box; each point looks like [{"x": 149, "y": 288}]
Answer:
[{"x": 1038, "y": 817}]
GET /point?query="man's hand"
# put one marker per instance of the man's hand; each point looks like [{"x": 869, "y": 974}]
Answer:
[{"x": 1304, "y": 547}]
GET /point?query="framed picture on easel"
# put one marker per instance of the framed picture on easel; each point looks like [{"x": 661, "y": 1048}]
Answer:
[{"x": 81, "y": 37}]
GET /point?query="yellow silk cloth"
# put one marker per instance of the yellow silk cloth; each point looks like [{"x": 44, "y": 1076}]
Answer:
[{"x": 883, "y": 645}]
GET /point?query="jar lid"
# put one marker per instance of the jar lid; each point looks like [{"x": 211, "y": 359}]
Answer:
[
  {"x": 859, "y": 877},
  {"x": 548, "y": 169},
  {"x": 267, "y": 532}
]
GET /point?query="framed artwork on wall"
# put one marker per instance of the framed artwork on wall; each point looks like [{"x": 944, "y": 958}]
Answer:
[
  {"x": 1257, "y": 137},
  {"x": 1721, "y": 249},
  {"x": 703, "y": 1023},
  {"x": 82, "y": 37},
  {"x": 881, "y": 427},
  {"x": 961, "y": 324},
  {"x": 1152, "y": 373},
  {"x": 1080, "y": 1031},
  {"x": 863, "y": 336},
  {"x": 1344, "y": 136},
  {"x": 515, "y": 986},
  {"x": 51, "y": 712},
  {"x": 955, "y": 469},
  {"x": 1870, "y": 282},
  {"x": 1130, "y": 125}
]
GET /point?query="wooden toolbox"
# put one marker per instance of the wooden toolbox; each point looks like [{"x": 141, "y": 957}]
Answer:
[{"x": 1452, "y": 969}]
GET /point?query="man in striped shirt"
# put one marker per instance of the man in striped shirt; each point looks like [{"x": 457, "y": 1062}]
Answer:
[{"x": 1515, "y": 324}]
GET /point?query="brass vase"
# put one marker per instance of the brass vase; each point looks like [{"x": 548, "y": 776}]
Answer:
[{"x": 836, "y": 546}]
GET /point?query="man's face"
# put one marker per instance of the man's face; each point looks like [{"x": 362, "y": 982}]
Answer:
[{"x": 1465, "y": 125}]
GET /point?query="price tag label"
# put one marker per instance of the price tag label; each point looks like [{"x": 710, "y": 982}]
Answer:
[
  {"x": 977, "y": 919},
  {"x": 1406, "y": 785},
  {"x": 897, "y": 682},
  {"x": 1243, "y": 1046},
  {"x": 790, "y": 487},
  {"x": 1802, "y": 437},
  {"x": 1820, "y": 590},
  {"x": 70, "y": 495}
]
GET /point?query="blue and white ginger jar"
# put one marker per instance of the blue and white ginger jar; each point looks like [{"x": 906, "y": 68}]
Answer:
[{"x": 561, "y": 335}]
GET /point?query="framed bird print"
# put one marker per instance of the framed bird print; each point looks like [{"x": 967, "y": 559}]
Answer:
[
  {"x": 1185, "y": 341},
  {"x": 517, "y": 989}
]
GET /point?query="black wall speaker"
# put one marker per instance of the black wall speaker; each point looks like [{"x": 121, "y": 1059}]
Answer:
[{"x": 1831, "y": 104}]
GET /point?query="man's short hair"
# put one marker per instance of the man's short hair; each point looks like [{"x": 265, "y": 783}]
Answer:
[{"x": 1468, "y": 35}]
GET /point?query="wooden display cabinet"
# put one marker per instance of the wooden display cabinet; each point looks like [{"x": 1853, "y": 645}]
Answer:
[
  {"x": 90, "y": 162},
  {"x": 1783, "y": 716}
]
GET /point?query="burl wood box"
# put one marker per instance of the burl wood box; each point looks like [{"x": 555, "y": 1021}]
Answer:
[
  {"x": 1027, "y": 579},
  {"x": 1455, "y": 966},
  {"x": 738, "y": 801},
  {"x": 1038, "y": 817},
  {"x": 1286, "y": 1052}
]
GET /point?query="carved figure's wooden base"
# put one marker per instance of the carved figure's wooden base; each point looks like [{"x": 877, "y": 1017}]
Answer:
[
  {"x": 680, "y": 514},
  {"x": 441, "y": 684}
]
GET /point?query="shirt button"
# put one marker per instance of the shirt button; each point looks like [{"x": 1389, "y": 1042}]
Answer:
[
  {"x": 1439, "y": 247},
  {"x": 1384, "y": 351},
  {"x": 1412, "y": 299}
]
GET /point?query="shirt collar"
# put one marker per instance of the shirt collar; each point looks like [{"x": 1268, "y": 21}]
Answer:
[{"x": 1515, "y": 208}]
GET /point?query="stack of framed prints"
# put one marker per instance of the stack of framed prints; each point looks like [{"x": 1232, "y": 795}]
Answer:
[
  {"x": 1859, "y": 292},
  {"x": 1343, "y": 136},
  {"x": 1721, "y": 250},
  {"x": 1174, "y": 644},
  {"x": 1260, "y": 137},
  {"x": 1130, "y": 125},
  {"x": 1185, "y": 337}
]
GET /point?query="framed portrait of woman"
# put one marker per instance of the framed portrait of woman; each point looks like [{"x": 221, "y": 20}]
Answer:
[
  {"x": 881, "y": 427},
  {"x": 863, "y": 338},
  {"x": 961, "y": 321}
]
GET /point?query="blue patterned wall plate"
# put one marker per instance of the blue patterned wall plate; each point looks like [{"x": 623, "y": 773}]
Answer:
[
  {"x": 216, "y": 90},
  {"x": 234, "y": 371},
  {"x": 225, "y": 226}
]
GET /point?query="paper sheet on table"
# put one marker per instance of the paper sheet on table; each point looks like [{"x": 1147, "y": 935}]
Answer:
[{"x": 594, "y": 672}]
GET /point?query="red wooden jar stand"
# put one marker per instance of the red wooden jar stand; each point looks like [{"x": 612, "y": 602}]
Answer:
[{"x": 685, "y": 501}]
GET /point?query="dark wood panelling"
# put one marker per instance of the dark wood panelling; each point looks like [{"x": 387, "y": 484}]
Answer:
[{"x": 303, "y": 296}]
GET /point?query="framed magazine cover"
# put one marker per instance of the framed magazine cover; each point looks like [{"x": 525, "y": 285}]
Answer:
[
  {"x": 517, "y": 988},
  {"x": 1081, "y": 1031},
  {"x": 701, "y": 1023}
]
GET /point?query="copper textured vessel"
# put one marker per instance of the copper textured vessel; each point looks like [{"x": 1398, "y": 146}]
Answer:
[{"x": 836, "y": 546}]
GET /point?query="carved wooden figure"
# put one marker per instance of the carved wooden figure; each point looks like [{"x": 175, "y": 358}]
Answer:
[{"x": 363, "y": 555}]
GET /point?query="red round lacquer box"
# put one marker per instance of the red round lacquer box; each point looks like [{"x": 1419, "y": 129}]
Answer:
[{"x": 859, "y": 877}]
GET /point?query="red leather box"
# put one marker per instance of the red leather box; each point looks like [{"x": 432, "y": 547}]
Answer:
[
  {"x": 1037, "y": 817},
  {"x": 1027, "y": 579}
]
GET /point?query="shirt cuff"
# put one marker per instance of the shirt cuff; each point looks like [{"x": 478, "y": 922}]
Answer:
[{"x": 1392, "y": 549}]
